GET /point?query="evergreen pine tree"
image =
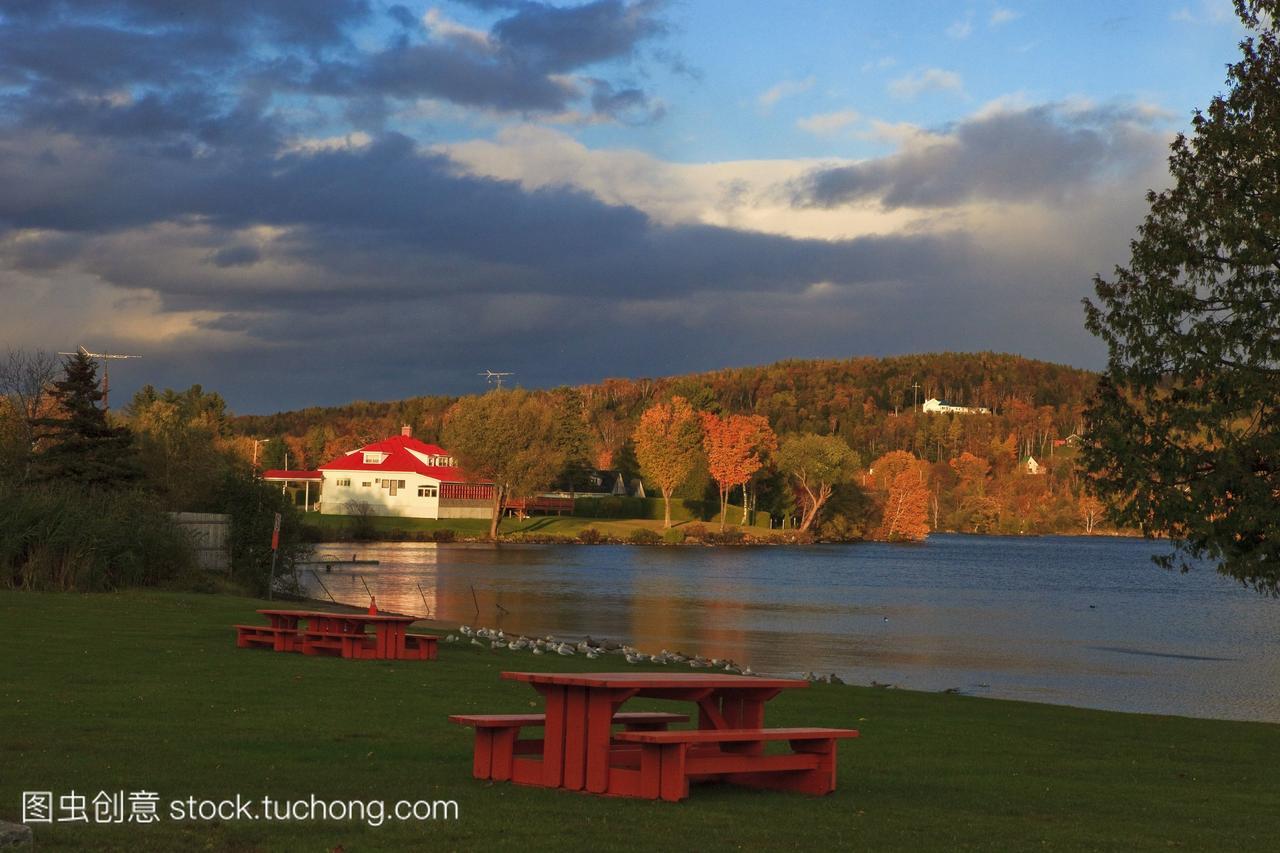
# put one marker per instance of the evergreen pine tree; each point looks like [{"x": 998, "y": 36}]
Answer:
[
  {"x": 78, "y": 445},
  {"x": 1184, "y": 432}
]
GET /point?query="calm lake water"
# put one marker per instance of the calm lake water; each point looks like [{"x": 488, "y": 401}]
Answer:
[{"x": 1068, "y": 620}]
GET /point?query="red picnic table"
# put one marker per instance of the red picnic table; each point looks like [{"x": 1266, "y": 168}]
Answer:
[
  {"x": 580, "y": 750},
  {"x": 343, "y": 633}
]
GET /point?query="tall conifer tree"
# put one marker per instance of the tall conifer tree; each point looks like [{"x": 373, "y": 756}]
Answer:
[
  {"x": 1184, "y": 432},
  {"x": 79, "y": 446}
]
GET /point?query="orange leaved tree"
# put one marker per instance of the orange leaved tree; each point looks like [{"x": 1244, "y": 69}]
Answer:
[
  {"x": 668, "y": 443},
  {"x": 904, "y": 485},
  {"x": 735, "y": 446}
]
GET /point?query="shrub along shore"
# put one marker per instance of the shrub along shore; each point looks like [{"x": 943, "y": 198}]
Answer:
[
  {"x": 548, "y": 529},
  {"x": 146, "y": 691}
]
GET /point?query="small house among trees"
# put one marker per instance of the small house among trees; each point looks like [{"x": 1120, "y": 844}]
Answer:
[
  {"x": 399, "y": 476},
  {"x": 939, "y": 407}
]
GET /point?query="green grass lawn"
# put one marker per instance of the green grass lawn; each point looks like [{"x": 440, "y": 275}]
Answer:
[
  {"x": 147, "y": 691},
  {"x": 541, "y": 525}
]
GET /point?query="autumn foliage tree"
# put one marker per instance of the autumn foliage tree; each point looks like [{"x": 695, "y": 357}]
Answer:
[
  {"x": 1091, "y": 511},
  {"x": 904, "y": 485},
  {"x": 668, "y": 443},
  {"x": 508, "y": 438},
  {"x": 735, "y": 446},
  {"x": 816, "y": 464}
]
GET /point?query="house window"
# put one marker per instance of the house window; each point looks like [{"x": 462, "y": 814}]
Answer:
[
  {"x": 366, "y": 484},
  {"x": 345, "y": 481},
  {"x": 373, "y": 458},
  {"x": 428, "y": 491}
]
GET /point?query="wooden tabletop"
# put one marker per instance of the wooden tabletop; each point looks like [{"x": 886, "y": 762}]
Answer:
[
  {"x": 653, "y": 680},
  {"x": 329, "y": 614}
]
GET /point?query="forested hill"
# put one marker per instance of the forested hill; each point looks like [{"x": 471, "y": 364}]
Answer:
[{"x": 869, "y": 401}]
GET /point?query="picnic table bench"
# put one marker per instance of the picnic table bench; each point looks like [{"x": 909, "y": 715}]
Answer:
[
  {"x": 580, "y": 750},
  {"x": 279, "y": 639},
  {"x": 498, "y": 737},
  {"x": 343, "y": 634},
  {"x": 668, "y": 760}
]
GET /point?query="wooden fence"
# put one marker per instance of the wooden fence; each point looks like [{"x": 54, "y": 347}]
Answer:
[{"x": 211, "y": 534}]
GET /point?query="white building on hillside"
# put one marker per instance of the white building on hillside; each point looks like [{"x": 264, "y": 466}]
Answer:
[
  {"x": 936, "y": 405},
  {"x": 401, "y": 476}
]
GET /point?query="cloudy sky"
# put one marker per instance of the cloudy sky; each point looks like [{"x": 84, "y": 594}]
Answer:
[{"x": 303, "y": 202}]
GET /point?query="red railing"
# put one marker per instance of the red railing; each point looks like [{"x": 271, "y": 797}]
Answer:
[
  {"x": 541, "y": 503},
  {"x": 466, "y": 492}
]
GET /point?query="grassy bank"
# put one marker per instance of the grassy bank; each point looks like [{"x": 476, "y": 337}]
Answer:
[
  {"x": 146, "y": 691},
  {"x": 330, "y": 527}
]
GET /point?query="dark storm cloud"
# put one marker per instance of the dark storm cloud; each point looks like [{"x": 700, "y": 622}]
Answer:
[
  {"x": 152, "y": 115},
  {"x": 236, "y": 256},
  {"x": 100, "y": 56},
  {"x": 311, "y": 23},
  {"x": 54, "y": 57},
  {"x": 402, "y": 16},
  {"x": 377, "y": 217},
  {"x": 629, "y": 106},
  {"x": 449, "y": 70},
  {"x": 211, "y": 204},
  {"x": 517, "y": 67},
  {"x": 1034, "y": 154},
  {"x": 555, "y": 38}
]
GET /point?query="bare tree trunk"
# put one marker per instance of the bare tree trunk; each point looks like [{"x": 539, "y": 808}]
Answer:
[
  {"x": 666, "y": 504},
  {"x": 813, "y": 503},
  {"x": 897, "y": 514},
  {"x": 497, "y": 512}
]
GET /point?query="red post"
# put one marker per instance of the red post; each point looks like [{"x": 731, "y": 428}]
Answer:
[{"x": 275, "y": 549}]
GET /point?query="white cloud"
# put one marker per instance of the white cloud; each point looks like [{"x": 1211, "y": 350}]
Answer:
[
  {"x": 738, "y": 194},
  {"x": 928, "y": 80},
  {"x": 1211, "y": 12},
  {"x": 785, "y": 89},
  {"x": 59, "y": 310},
  {"x": 879, "y": 64},
  {"x": 826, "y": 124},
  {"x": 443, "y": 28},
  {"x": 1003, "y": 16},
  {"x": 961, "y": 29},
  {"x": 901, "y": 134},
  {"x": 345, "y": 142}
]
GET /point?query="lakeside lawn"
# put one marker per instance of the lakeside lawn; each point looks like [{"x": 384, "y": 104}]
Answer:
[
  {"x": 564, "y": 526},
  {"x": 147, "y": 691}
]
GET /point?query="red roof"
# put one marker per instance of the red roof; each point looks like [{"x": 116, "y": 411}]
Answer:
[
  {"x": 278, "y": 474},
  {"x": 398, "y": 458}
]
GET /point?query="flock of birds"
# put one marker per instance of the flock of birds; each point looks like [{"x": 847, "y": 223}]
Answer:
[{"x": 495, "y": 639}]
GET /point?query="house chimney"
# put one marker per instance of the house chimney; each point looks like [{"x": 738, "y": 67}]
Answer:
[{"x": 406, "y": 431}]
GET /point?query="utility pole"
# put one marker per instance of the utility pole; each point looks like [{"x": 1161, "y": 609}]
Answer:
[
  {"x": 256, "y": 442},
  {"x": 915, "y": 389}
]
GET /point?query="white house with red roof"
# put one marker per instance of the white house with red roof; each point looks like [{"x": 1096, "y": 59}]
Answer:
[{"x": 399, "y": 476}]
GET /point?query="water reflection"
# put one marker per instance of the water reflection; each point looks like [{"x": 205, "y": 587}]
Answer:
[{"x": 1077, "y": 621}]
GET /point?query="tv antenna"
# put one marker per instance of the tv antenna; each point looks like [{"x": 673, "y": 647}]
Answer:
[
  {"x": 494, "y": 377},
  {"x": 106, "y": 374}
]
